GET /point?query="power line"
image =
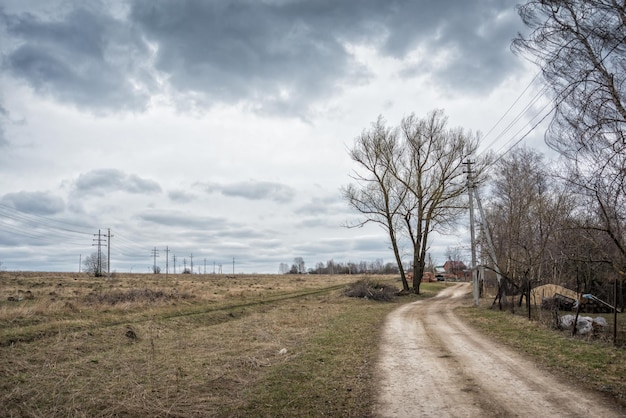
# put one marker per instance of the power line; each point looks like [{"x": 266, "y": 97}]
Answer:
[
  {"x": 512, "y": 105},
  {"x": 517, "y": 118},
  {"x": 37, "y": 220},
  {"x": 560, "y": 98}
]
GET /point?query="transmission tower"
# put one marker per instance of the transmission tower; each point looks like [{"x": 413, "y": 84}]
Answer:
[
  {"x": 98, "y": 242},
  {"x": 155, "y": 254}
]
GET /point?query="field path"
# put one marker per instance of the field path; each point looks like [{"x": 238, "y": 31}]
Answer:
[{"x": 433, "y": 365}]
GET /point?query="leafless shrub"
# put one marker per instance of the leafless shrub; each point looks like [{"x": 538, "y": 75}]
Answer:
[{"x": 371, "y": 290}]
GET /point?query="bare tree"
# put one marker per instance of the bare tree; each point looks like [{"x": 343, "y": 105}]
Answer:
[
  {"x": 411, "y": 182},
  {"x": 431, "y": 170},
  {"x": 94, "y": 265},
  {"x": 526, "y": 213},
  {"x": 376, "y": 193},
  {"x": 298, "y": 264},
  {"x": 580, "y": 47}
]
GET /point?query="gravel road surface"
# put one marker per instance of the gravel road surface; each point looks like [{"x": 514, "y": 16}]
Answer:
[{"x": 433, "y": 365}]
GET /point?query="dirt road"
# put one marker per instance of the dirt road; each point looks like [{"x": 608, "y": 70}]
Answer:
[{"x": 432, "y": 365}]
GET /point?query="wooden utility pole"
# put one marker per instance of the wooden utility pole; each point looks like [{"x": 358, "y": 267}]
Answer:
[
  {"x": 109, "y": 251},
  {"x": 167, "y": 260}
]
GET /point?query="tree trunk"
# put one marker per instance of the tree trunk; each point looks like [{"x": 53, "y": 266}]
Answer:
[
  {"x": 396, "y": 253},
  {"x": 418, "y": 272}
]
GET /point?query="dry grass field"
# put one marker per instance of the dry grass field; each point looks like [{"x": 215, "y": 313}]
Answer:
[
  {"x": 197, "y": 346},
  {"x": 144, "y": 345}
]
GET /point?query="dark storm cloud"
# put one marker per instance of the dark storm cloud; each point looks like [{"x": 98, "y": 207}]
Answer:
[
  {"x": 85, "y": 58},
  {"x": 111, "y": 180},
  {"x": 38, "y": 203},
  {"x": 277, "y": 56},
  {"x": 255, "y": 49},
  {"x": 274, "y": 55}
]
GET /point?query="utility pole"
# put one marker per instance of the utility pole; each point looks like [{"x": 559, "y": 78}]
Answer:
[
  {"x": 155, "y": 254},
  {"x": 109, "y": 251},
  {"x": 470, "y": 188},
  {"x": 167, "y": 260},
  {"x": 98, "y": 243},
  {"x": 191, "y": 263},
  {"x": 185, "y": 264}
]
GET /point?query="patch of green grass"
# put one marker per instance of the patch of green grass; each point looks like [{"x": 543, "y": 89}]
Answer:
[
  {"x": 596, "y": 365},
  {"x": 332, "y": 375}
]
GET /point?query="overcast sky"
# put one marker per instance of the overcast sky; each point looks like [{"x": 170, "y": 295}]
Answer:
[{"x": 220, "y": 128}]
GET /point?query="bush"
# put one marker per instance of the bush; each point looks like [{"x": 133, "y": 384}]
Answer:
[{"x": 371, "y": 290}]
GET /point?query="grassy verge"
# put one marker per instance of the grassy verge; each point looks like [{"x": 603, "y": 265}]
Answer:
[
  {"x": 262, "y": 346},
  {"x": 594, "y": 364},
  {"x": 332, "y": 375}
]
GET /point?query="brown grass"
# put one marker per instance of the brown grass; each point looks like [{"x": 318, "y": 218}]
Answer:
[{"x": 188, "y": 346}]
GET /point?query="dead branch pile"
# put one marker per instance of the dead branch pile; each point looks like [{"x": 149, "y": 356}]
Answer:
[{"x": 371, "y": 290}]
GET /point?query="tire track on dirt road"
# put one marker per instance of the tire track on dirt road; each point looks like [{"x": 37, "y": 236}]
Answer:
[{"x": 432, "y": 365}]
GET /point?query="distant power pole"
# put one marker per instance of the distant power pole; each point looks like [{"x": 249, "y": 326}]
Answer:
[
  {"x": 109, "y": 251},
  {"x": 185, "y": 264},
  {"x": 191, "y": 261},
  {"x": 167, "y": 259},
  {"x": 155, "y": 254}
]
